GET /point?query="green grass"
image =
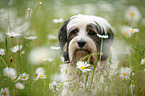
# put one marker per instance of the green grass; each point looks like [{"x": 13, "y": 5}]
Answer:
[{"x": 40, "y": 22}]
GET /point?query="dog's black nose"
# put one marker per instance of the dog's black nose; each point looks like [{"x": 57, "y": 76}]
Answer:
[{"x": 81, "y": 43}]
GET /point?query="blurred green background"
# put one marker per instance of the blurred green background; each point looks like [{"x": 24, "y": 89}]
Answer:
[{"x": 39, "y": 22}]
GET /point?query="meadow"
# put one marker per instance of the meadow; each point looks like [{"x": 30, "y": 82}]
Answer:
[{"x": 30, "y": 56}]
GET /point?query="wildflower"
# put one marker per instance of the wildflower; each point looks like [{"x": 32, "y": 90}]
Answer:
[
  {"x": 82, "y": 66},
  {"x": 2, "y": 52},
  {"x": 19, "y": 85},
  {"x": 133, "y": 14},
  {"x": 102, "y": 36},
  {"x": 128, "y": 31},
  {"x": 125, "y": 73},
  {"x": 42, "y": 76},
  {"x": 23, "y": 52},
  {"x": 16, "y": 48},
  {"x": 55, "y": 48},
  {"x": 53, "y": 86},
  {"x": 31, "y": 37},
  {"x": 40, "y": 3},
  {"x": 24, "y": 76},
  {"x": 4, "y": 92},
  {"x": 13, "y": 34},
  {"x": 39, "y": 55},
  {"x": 40, "y": 73},
  {"x": 14, "y": 79},
  {"x": 40, "y": 70},
  {"x": 58, "y": 20},
  {"x": 9, "y": 72},
  {"x": 143, "y": 61},
  {"x": 52, "y": 37},
  {"x": 28, "y": 9}
]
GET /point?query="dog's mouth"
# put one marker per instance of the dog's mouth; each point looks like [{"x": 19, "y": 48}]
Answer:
[{"x": 83, "y": 50}]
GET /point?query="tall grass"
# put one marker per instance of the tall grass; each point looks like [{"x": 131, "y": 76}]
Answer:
[{"x": 15, "y": 16}]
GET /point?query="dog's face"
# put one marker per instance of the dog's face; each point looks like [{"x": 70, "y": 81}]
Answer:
[{"x": 78, "y": 38}]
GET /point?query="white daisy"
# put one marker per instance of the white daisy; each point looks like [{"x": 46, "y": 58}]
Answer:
[
  {"x": 24, "y": 76},
  {"x": 14, "y": 79},
  {"x": 134, "y": 30},
  {"x": 19, "y": 85},
  {"x": 31, "y": 37},
  {"x": 133, "y": 14},
  {"x": 40, "y": 3},
  {"x": 51, "y": 37},
  {"x": 55, "y": 48},
  {"x": 125, "y": 73},
  {"x": 13, "y": 34},
  {"x": 40, "y": 70},
  {"x": 53, "y": 86},
  {"x": 16, "y": 48},
  {"x": 4, "y": 92},
  {"x": 2, "y": 52},
  {"x": 143, "y": 61},
  {"x": 23, "y": 52},
  {"x": 128, "y": 31},
  {"x": 40, "y": 73},
  {"x": 102, "y": 36},
  {"x": 9, "y": 72},
  {"x": 82, "y": 66},
  {"x": 42, "y": 76},
  {"x": 28, "y": 9},
  {"x": 58, "y": 20}
]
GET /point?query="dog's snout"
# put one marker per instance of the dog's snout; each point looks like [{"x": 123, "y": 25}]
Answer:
[{"x": 81, "y": 43}]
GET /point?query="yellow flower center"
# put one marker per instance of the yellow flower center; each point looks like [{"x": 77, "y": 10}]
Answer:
[
  {"x": 82, "y": 67},
  {"x": 144, "y": 59},
  {"x": 126, "y": 33},
  {"x": 14, "y": 80},
  {"x": 58, "y": 20},
  {"x": 132, "y": 14},
  {"x": 41, "y": 76},
  {"x": 124, "y": 74},
  {"x": 19, "y": 86},
  {"x": 24, "y": 77},
  {"x": 132, "y": 30},
  {"x": 8, "y": 74},
  {"x": 4, "y": 93}
]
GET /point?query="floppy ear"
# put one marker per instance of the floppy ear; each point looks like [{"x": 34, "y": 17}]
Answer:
[
  {"x": 62, "y": 35},
  {"x": 107, "y": 43}
]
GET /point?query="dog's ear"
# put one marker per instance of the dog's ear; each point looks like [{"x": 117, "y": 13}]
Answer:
[
  {"x": 62, "y": 36},
  {"x": 107, "y": 43}
]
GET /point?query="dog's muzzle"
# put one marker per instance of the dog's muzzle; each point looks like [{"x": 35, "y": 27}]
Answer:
[{"x": 81, "y": 43}]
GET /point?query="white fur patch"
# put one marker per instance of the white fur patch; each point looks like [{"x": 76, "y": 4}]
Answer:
[{"x": 81, "y": 21}]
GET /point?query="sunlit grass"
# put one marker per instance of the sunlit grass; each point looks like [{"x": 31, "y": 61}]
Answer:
[{"x": 38, "y": 22}]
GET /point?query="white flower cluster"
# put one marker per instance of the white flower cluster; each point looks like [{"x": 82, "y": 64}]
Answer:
[
  {"x": 11, "y": 73},
  {"x": 2, "y": 52},
  {"x": 40, "y": 73},
  {"x": 128, "y": 31}
]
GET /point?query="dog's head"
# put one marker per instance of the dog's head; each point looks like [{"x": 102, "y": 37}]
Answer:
[{"x": 78, "y": 38}]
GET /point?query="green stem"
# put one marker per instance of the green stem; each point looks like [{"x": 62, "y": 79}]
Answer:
[{"x": 4, "y": 61}]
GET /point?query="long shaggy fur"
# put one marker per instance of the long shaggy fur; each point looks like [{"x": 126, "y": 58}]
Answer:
[{"x": 84, "y": 29}]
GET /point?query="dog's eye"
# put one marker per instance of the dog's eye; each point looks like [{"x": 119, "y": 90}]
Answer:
[
  {"x": 74, "y": 31},
  {"x": 91, "y": 33}
]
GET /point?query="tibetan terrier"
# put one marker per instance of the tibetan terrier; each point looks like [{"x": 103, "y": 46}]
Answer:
[{"x": 79, "y": 39}]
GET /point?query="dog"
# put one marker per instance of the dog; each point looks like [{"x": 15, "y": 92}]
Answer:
[{"x": 79, "y": 41}]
